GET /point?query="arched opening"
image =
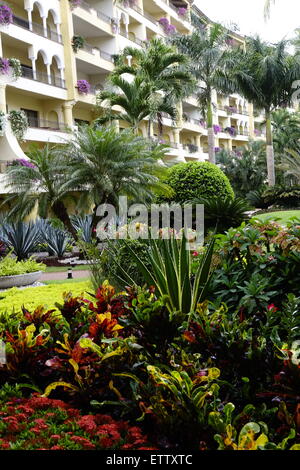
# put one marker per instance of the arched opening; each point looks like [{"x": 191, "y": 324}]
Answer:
[
  {"x": 53, "y": 121},
  {"x": 41, "y": 69},
  {"x": 37, "y": 21},
  {"x": 123, "y": 29},
  {"x": 51, "y": 26},
  {"x": 55, "y": 71}
]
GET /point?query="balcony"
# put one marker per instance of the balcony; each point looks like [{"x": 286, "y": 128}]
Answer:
[
  {"x": 41, "y": 130},
  {"x": 37, "y": 29},
  {"x": 43, "y": 78},
  {"x": 136, "y": 40},
  {"x": 96, "y": 20}
]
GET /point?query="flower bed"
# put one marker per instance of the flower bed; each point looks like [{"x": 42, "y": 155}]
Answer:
[{"x": 44, "y": 424}]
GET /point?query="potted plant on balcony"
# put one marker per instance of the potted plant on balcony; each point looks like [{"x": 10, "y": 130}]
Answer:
[
  {"x": 6, "y": 15},
  {"x": 77, "y": 43},
  {"x": 18, "y": 122},
  {"x": 217, "y": 128},
  {"x": 10, "y": 68},
  {"x": 83, "y": 87},
  {"x": 182, "y": 12}
]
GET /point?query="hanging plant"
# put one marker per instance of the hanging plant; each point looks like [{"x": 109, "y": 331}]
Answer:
[
  {"x": 2, "y": 122},
  {"x": 83, "y": 87},
  {"x": 182, "y": 12},
  {"x": 16, "y": 68},
  {"x": 6, "y": 15},
  {"x": 10, "y": 66},
  {"x": 167, "y": 26},
  {"x": 77, "y": 43},
  {"x": 19, "y": 123}
]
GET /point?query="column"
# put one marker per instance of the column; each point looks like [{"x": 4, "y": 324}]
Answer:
[
  {"x": 198, "y": 142},
  {"x": 68, "y": 114},
  {"x": 49, "y": 73},
  {"x": 3, "y": 97},
  {"x": 29, "y": 14},
  {"x": 45, "y": 25},
  {"x": 33, "y": 64}
]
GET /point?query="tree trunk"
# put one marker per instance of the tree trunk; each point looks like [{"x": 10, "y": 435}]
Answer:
[
  {"x": 210, "y": 133},
  {"x": 270, "y": 150},
  {"x": 61, "y": 213}
]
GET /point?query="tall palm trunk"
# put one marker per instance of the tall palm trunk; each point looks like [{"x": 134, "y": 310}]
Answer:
[
  {"x": 270, "y": 150},
  {"x": 61, "y": 213},
  {"x": 210, "y": 133}
]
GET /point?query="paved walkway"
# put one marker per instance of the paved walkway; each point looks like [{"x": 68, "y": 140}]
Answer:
[{"x": 61, "y": 275}]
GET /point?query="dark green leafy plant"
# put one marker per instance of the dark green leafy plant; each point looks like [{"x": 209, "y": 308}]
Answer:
[
  {"x": 22, "y": 237},
  {"x": 198, "y": 180}
]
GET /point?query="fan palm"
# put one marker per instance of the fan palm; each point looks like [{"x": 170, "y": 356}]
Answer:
[
  {"x": 264, "y": 74},
  {"x": 42, "y": 181},
  {"x": 105, "y": 164},
  {"x": 209, "y": 54}
]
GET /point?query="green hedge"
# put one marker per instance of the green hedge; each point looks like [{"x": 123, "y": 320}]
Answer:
[
  {"x": 198, "y": 180},
  {"x": 13, "y": 299}
]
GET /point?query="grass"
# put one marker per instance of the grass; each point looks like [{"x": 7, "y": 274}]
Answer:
[
  {"x": 13, "y": 299},
  {"x": 283, "y": 216},
  {"x": 66, "y": 281},
  {"x": 58, "y": 269}
]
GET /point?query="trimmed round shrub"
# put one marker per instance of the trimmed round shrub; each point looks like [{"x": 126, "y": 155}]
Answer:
[{"x": 198, "y": 180}]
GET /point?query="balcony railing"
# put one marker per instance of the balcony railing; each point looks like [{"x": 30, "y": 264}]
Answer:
[
  {"x": 47, "y": 125},
  {"x": 43, "y": 78},
  {"x": 37, "y": 29},
  {"x": 100, "y": 14},
  {"x": 138, "y": 41},
  {"x": 90, "y": 49}
]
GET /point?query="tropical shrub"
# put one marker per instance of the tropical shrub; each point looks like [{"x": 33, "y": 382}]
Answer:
[
  {"x": 10, "y": 266},
  {"x": 198, "y": 180},
  {"x": 83, "y": 226},
  {"x": 120, "y": 254},
  {"x": 222, "y": 213},
  {"x": 282, "y": 196}
]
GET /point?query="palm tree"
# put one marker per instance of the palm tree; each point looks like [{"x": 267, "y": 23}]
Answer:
[
  {"x": 159, "y": 78},
  {"x": 42, "y": 181},
  {"x": 286, "y": 131},
  {"x": 105, "y": 164},
  {"x": 267, "y": 8},
  {"x": 264, "y": 74},
  {"x": 135, "y": 101},
  {"x": 291, "y": 165},
  {"x": 209, "y": 54}
]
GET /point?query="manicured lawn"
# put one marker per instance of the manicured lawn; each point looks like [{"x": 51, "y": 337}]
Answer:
[
  {"x": 283, "y": 216},
  {"x": 13, "y": 299},
  {"x": 58, "y": 269},
  {"x": 66, "y": 281}
]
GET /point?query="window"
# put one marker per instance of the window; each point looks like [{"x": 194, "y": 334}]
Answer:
[{"x": 32, "y": 116}]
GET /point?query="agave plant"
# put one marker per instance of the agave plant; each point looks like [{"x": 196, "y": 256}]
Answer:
[
  {"x": 83, "y": 226},
  {"x": 171, "y": 273},
  {"x": 21, "y": 237},
  {"x": 57, "y": 240}
]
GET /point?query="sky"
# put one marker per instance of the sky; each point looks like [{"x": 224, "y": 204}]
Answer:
[{"x": 248, "y": 15}]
